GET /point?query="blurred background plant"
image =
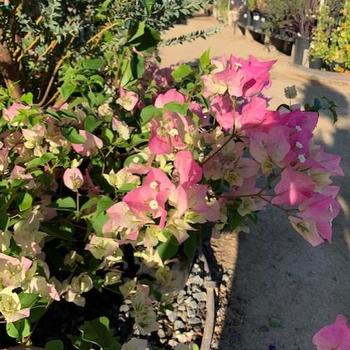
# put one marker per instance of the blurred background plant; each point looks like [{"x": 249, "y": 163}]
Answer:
[
  {"x": 38, "y": 38},
  {"x": 331, "y": 39}
]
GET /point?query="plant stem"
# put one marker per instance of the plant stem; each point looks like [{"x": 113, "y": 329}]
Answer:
[
  {"x": 9, "y": 71},
  {"x": 219, "y": 149}
]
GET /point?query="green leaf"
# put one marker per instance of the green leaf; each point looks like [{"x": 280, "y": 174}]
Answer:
[
  {"x": 25, "y": 201},
  {"x": 177, "y": 107},
  {"x": 234, "y": 219},
  {"x": 89, "y": 204},
  {"x": 104, "y": 203},
  {"x": 107, "y": 135},
  {"x": 204, "y": 61},
  {"x": 72, "y": 135},
  {"x": 181, "y": 72},
  {"x": 137, "y": 66},
  {"x": 275, "y": 322},
  {"x": 137, "y": 139},
  {"x": 97, "y": 332},
  {"x": 91, "y": 123},
  {"x": 54, "y": 345},
  {"x": 19, "y": 329},
  {"x": 144, "y": 38},
  {"x": 4, "y": 221},
  {"x": 148, "y": 113},
  {"x": 67, "y": 89},
  {"x": 93, "y": 63},
  {"x": 56, "y": 232},
  {"x": 67, "y": 203},
  {"x": 43, "y": 160},
  {"x": 27, "y": 299},
  {"x": 126, "y": 73},
  {"x": 134, "y": 159},
  {"x": 168, "y": 249},
  {"x": 27, "y": 98},
  {"x": 191, "y": 245},
  {"x": 127, "y": 187}
]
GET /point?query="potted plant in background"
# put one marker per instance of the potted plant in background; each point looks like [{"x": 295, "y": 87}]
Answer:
[
  {"x": 303, "y": 23},
  {"x": 277, "y": 24},
  {"x": 330, "y": 42}
]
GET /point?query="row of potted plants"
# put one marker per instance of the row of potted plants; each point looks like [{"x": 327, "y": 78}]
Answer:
[{"x": 316, "y": 36}]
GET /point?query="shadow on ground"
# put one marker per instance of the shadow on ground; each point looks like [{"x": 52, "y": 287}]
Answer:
[{"x": 283, "y": 289}]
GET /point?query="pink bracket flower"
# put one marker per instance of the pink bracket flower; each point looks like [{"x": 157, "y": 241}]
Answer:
[
  {"x": 73, "y": 179},
  {"x": 91, "y": 145},
  {"x": 333, "y": 337}
]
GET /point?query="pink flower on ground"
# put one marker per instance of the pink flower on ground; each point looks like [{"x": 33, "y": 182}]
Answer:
[
  {"x": 223, "y": 111},
  {"x": 127, "y": 99},
  {"x": 189, "y": 170},
  {"x": 170, "y": 96},
  {"x": 11, "y": 113},
  {"x": 333, "y": 337},
  {"x": 73, "y": 179},
  {"x": 91, "y": 145},
  {"x": 294, "y": 188}
]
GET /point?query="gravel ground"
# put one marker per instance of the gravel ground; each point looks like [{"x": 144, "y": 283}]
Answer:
[{"x": 280, "y": 290}]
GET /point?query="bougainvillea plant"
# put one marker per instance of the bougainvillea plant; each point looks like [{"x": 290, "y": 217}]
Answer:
[{"x": 102, "y": 194}]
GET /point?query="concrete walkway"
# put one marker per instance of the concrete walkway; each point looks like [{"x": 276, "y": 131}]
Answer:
[{"x": 277, "y": 274}]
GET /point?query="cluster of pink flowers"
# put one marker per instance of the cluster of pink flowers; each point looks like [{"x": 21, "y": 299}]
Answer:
[{"x": 204, "y": 156}]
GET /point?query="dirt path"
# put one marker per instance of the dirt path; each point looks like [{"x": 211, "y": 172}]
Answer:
[{"x": 283, "y": 290}]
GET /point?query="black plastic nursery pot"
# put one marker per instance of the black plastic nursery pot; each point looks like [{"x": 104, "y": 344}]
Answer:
[
  {"x": 315, "y": 63},
  {"x": 300, "y": 55},
  {"x": 258, "y": 36},
  {"x": 284, "y": 45},
  {"x": 256, "y": 21}
]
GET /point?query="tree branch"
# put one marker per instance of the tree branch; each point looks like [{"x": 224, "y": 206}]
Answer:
[{"x": 10, "y": 72}]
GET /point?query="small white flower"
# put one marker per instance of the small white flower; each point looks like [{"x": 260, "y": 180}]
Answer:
[
  {"x": 299, "y": 145},
  {"x": 298, "y": 128},
  {"x": 153, "y": 204},
  {"x": 301, "y": 158}
]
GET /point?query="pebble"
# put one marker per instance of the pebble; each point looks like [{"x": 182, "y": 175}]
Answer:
[
  {"x": 178, "y": 325},
  {"x": 194, "y": 320},
  {"x": 202, "y": 296},
  {"x": 171, "y": 315},
  {"x": 172, "y": 342},
  {"x": 196, "y": 280},
  {"x": 184, "y": 322},
  {"x": 191, "y": 313},
  {"x": 182, "y": 338},
  {"x": 161, "y": 333},
  {"x": 124, "y": 308},
  {"x": 225, "y": 277}
]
